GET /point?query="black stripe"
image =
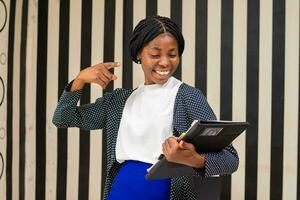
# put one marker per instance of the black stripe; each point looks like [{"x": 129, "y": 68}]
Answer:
[
  {"x": 84, "y": 153},
  {"x": 62, "y": 137},
  {"x": 201, "y": 46},
  {"x": 252, "y": 99},
  {"x": 9, "y": 115},
  {"x": 109, "y": 37},
  {"x": 41, "y": 88},
  {"x": 226, "y": 76},
  {"x": 127, "y": 31},
  {"x": 151, "y": 7},
  {"x": 22, "y": 102},
  {"x": 277, "y": 126},
  {"x": 108, "y": 56},
  {"x": 176, "y": 15}
]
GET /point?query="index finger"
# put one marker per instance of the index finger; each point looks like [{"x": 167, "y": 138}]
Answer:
[{"x": 109, "y": 65}]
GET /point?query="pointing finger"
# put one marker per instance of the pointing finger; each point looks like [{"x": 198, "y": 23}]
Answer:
[{"x": 110, "y": 65}]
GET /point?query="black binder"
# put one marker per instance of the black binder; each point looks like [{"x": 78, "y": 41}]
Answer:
[{"x": 207, "y": 136}]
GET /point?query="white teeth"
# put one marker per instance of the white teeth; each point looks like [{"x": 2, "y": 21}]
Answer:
[{"x": 163, "y": 72}]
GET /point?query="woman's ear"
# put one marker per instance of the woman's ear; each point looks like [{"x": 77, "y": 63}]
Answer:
[{"x": 138, "y": 59}]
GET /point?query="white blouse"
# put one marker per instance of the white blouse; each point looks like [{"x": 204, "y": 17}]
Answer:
[{"x": 146, "y": 122}]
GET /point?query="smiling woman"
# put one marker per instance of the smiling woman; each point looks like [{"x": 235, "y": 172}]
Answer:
[
  {"x": 149, "y": 117},
  {"x": 159, "y": 59}
]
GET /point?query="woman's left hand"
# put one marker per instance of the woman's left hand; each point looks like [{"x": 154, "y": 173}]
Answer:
[{"x": 182, "y": 152}]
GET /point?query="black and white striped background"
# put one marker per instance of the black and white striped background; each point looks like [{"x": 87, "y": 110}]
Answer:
[{"x": 244, "y": 55}]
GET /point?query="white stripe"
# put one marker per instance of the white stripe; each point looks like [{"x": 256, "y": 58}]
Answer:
[
  {"x": 189, "y": 31},
  {"x": 52, "y": 90},
  {"x": 74, "y": 68},
  {"x": 265, "y": 101},
  {"x": 31, "y": 68},
  {"x": 139, "y": 12},
  {"x": 291, "y": 100},
  {"x": 96, "y": 92},
  {"x": 16, "y": 101},
  {"x": 164, "y": 8},
  {"x": 213, "y": 54},
  {"x": 239, "y": 91},
  {"x": 119, "y": 44},
  {"x": 3, "y": 94}
]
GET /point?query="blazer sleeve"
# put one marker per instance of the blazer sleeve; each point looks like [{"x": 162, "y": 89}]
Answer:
[
  {"x": 90, "y": 116},
  {"x": 224, "y": 162}
]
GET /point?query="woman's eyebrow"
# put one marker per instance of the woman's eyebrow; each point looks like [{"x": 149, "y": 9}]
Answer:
[
  {"x": 159, "y": 49},
  {"x": 155, "y": 48}
]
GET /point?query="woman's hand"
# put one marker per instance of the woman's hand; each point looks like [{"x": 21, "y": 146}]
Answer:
[
  {"x": 182, "y": 152},
  {"x": 98, "y": 74}
]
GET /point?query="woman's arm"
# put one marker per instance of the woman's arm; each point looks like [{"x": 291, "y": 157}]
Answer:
[
  {"x": 223, "y": 162},
  {"x": 89, "y": 116}
]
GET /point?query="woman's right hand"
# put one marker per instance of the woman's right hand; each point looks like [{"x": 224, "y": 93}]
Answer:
[{"x": 98, "y": 74}]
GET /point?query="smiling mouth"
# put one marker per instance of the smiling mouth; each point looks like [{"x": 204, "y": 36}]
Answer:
[{"x": 163, "y": 73}]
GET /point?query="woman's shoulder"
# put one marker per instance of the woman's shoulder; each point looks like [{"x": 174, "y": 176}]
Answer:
[
  {"x": 121, "y": 93},
  {"x": 186, "y": 89}
]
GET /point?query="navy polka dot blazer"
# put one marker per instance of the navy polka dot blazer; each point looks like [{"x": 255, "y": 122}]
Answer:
[{"x": 106, "y": 113}]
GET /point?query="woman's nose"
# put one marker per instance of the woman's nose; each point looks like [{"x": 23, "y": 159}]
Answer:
[{"x": 164, "y": 62}]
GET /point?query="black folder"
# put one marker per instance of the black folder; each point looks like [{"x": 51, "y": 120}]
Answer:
[{"x": 206, "y": 136}]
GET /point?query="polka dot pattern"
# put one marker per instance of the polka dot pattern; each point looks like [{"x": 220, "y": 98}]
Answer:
[{"x": 106, "y": 113}]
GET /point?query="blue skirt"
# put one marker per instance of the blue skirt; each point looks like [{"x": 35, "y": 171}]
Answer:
[{"x": 130, "y": 184}]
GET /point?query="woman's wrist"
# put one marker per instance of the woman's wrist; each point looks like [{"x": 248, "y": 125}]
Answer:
[
  {"x": 199, "y": 161},
  {"x": 77, "y": 84}
]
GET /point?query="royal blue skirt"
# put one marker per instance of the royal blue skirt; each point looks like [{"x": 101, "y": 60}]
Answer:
[{"x": 130, "y": 184}]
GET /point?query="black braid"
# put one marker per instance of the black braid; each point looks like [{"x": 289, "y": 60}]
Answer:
[{"x": 149, "y": 28}]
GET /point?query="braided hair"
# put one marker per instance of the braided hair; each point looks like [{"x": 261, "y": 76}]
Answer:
[{"x": 148, "y": 29}]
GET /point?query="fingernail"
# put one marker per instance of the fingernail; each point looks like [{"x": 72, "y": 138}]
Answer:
[{"x": 114, "y": 77}]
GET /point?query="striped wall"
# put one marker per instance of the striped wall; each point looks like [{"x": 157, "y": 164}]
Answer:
[{"x": 243, "y": 55}]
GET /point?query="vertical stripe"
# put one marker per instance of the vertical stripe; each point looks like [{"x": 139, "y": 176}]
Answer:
[
  {"x": 16, "y": 100},
  {"x": 252, "y": 98},
  {"x": 109, "y": 30},
  {"x": 298, "y": 129},
  {"x": 151, "y": 7},
  {"x": 96, "y": 92},
  {"x": 74, "y": 68},
  {"x": 188, "y": 31},
  {"x": 239, "y": 91},
  {"x": 139, "y": 13},
  {"x": 22, "y": 98},
  {"x": 277, "y": 128},
  {"x": 226, "y": 76},
  {"x": 41, "y": 87},
  {"x": 176, "y": 15},
  {"x": 213, "y": 54},
  {"x": 31, "y": 102},
  {"x": 265, "y": 80},
  {"x": 9, "y": 111},
  {"x": 291, "y": 79},
  {"x": 119, "y": 44},
  {"x": 127, "y": 31},
  {"x": 108, "y": 56},
  {"x": 84, "y": 153},
  {"x": 201, "y": 46},
  {"x": 163, "y": 7},
  {"x": 52, "y": 95},
  {"x": 63, "y": 62}
]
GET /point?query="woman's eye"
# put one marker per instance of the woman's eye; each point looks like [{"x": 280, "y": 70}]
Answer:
[
  {"x": 173, "y": 55},
  {"x": 154, "y": 56}
]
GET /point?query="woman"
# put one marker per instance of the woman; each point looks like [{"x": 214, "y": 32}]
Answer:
[{"x": 145, "y": 122}]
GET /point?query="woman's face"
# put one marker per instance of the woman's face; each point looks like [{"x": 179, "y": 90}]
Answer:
[{"x": 159, "y": 59}]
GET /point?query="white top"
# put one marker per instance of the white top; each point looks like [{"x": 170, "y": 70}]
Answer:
[{"x": 146, "y": 122}]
